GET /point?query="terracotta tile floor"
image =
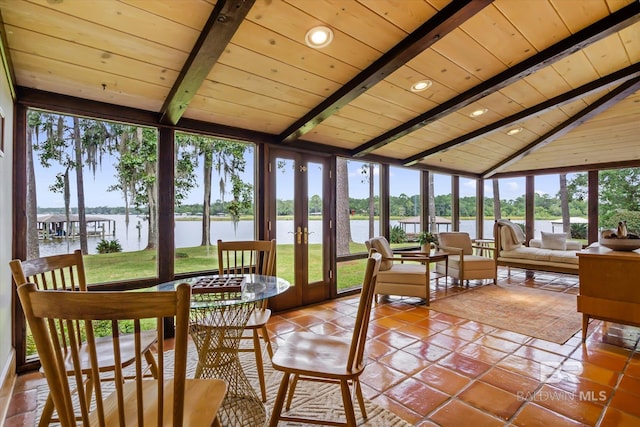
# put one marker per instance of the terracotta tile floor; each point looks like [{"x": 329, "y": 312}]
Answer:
[{"x": 436, "y": 369}]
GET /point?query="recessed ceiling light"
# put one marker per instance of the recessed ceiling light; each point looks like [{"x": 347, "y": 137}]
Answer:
[
  {"x": 514, "y": 131},
  {"x": 478, "y": 112},
  {"x": 319, "y": 37},
  {"x": 421, "y": 85}
]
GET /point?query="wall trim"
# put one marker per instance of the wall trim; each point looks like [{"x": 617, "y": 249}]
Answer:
[{"x": 7, "y": 383}]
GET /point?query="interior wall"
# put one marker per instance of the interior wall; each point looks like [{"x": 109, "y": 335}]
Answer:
[{"x": 7, "y": 359}]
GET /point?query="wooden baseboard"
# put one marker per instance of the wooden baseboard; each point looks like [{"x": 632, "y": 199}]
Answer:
[{"x": 7, "y": 382}]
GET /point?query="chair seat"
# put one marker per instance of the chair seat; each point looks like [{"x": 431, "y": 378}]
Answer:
[
  {"x": 259, "y": 317},
  {"x": 472, "y": 263},
  {"x": 104, "y": 347},
  {"x": 408, "y": 273},
  {"x": 306, "y": 353},
  {"x": 200, "y": 411}
]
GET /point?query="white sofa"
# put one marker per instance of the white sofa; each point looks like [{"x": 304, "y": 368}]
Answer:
[{"x": 555, "y": 254}]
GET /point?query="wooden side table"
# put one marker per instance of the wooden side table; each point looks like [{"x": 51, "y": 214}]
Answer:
[
  {"x": 435, "y": 257},
  {"x": 609, "y": 286}
]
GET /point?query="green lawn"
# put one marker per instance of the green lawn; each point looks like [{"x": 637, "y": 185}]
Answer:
[{"x": 122, "y": 266}]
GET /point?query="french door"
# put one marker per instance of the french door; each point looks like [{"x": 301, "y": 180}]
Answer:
[{"x": 300, "y": 221}]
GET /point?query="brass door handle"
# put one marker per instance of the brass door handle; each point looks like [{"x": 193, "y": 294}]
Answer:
[
  {"x": 306, "y": 235},
  {"x": 298, "y": 235}
]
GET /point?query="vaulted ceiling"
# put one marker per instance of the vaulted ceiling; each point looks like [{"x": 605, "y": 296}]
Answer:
[{"x": 565, "y": 74}]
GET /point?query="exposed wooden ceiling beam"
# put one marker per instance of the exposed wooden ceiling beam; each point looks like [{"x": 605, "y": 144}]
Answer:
[
  {"x": 569, "y": 169},
  {"x": 223, "y": 22},
  {"x": 625, "y": 89},
  {"x": 582, "y": 91},
  {"x": 618, "y": 20},
  {"x": 445, "y": 21}
]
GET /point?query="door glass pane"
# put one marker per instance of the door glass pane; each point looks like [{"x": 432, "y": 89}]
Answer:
[
  {"x": 315, "y": 223},
  {"x": 285, "y": 230}
]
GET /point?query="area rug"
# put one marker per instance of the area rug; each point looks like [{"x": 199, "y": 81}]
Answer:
[
  {"x": 313, "y": 400},
  {"x": 547, "y": 315}
]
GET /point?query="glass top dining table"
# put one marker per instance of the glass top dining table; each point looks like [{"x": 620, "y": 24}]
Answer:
[
  {"x": 253, "y": 288},
  {"x": 220, "y": 309}
]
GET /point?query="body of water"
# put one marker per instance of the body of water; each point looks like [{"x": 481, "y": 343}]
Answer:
[{"x": 133, "y": 237}]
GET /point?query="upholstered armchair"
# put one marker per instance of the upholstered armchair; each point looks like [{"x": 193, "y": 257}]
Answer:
[
  {"x": 463, "y": 263},
  {"x": 400, "y": 274}
]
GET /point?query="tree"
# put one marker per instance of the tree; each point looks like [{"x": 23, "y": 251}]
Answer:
[
  {"x": 54, "y": 149},
  {"x": 136, "y": 173},
  {"x": 82, "y": 217},
  {"x": 618, "y": 192},
  {"x": 496, "y": 199},
  {"x": 343, "y": 223},
  {"x": 433, "y": 226},
  {"x": 33, "y": 246},
  {"x": 228, "y": 160},
  {"x": 367, "y": 171},
  {"x": 564, "y": 204}
]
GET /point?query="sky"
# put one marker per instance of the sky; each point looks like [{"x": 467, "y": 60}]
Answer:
[{"x": 402, "y": 181}]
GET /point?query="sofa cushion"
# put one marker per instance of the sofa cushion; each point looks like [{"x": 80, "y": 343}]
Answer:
[
  {"x": 472, "y": 263},
  {"x": 557, "y": 241},
  {"x": 572, "y": 245},
  {"x": 524, "y": 252},
  {"x": 566, "y": 257}
]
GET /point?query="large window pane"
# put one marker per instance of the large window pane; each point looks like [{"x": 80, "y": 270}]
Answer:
[
  {"x": 619, "y": 199},
  {"x": 549, "y": 209},
  {"x": 468, "y": 207},
  {"x": 404, "y": 206},
  {"x": 214, "y": 193},
  {"x": 491, "y": 206},
  {"x": 511, "y": 193},
  {"x": 92, "y": 186},
  {"x": 361, "y": 182},
  {"x": 440, "y": 208}
]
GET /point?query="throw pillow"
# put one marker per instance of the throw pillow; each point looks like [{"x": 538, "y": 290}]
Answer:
[{"x": 557, "y": 241}]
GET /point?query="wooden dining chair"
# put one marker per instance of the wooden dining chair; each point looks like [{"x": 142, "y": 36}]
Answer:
[
  {"x": 168, "y": 400},
  {"x": 66, "y": 273},
  {"x": 257, "y": 257},
  {"x": 324, "y": 358}
]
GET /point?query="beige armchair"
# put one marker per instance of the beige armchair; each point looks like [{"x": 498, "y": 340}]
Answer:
[
  {"x": 463, "y": 263},
  {"x": 400, "y": 274}
]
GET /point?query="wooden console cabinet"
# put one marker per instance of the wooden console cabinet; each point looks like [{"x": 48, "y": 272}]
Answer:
[{"x": 609, "y": 286}]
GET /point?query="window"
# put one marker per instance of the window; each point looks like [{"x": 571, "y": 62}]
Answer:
[
  {"x": 359, "y": 183},
  {"x": 440, "y": 208},
  {"x": 95, "y": 189},
  {"x": 404, "y": 206},
  {"x": 468, "y": 207},
  {"x": 214, "y": 195}
]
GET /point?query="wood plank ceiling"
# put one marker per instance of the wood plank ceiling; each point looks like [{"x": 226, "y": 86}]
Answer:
[{"x": 566, "y": 73}]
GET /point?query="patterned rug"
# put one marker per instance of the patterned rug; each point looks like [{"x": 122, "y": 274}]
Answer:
[
  {"x": 547, "y": 315},
  {"x": 311, "y": 400}
]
